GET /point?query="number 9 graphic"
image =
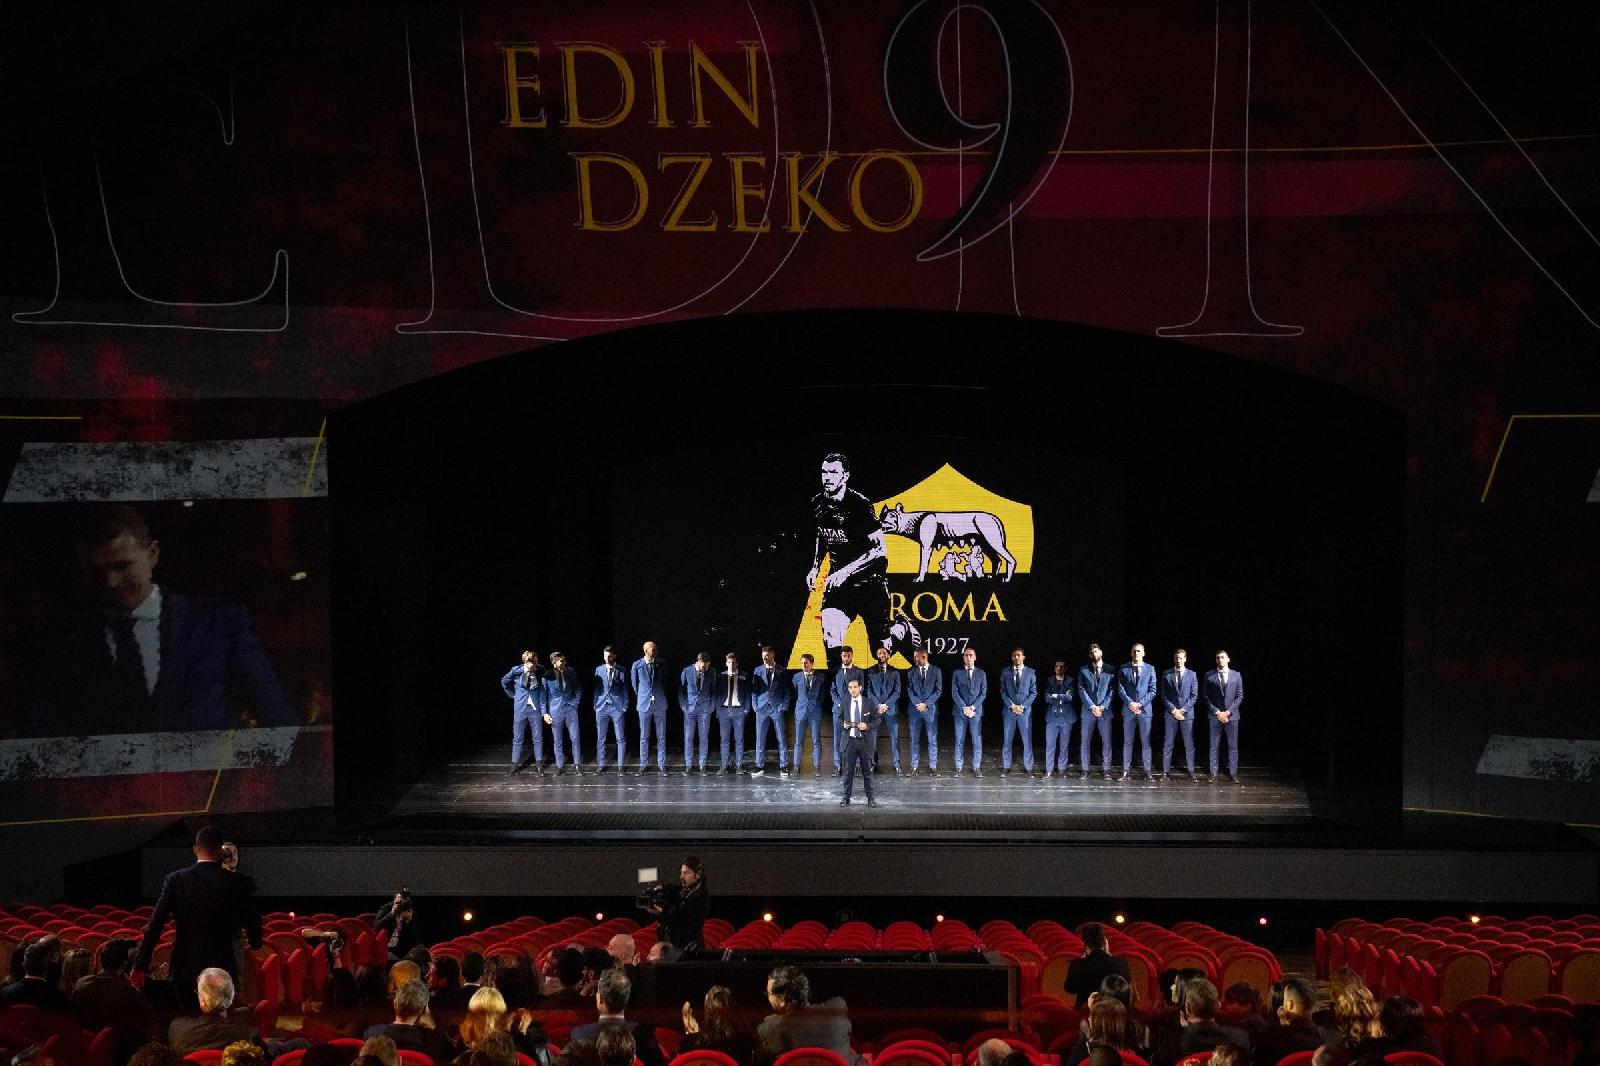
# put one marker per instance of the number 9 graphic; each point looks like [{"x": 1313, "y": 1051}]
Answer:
[{"x": 1022, "y": 139}]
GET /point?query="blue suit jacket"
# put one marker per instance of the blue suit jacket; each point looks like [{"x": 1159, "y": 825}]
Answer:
[
  {"x": 883, "y": 687},
  {"x": 1176, "y": 696},
  {"x": 808, "y": 697},
  {"x": 920, "y": 690},
  {"x": 1024, "y": 692},
  {"x": 1142, "y": 691},
  {"x": 697, "y": 691},
  {"x": 841, "y": 685},
  {"x": 772, "y": 691},
  {"x": 1094, "y": 690},
  {"x": 1219, "y": 700},
  {"x": 719, "y": 693},
  {"x": 564, "y": 693},
  {"x": 965, "y": 693},
  {"x": 648, "y": 696},
  {"x": 1058, "y": 695},
  {"x": 513, "y": 687},
  {"x": 610, "y": 692}
]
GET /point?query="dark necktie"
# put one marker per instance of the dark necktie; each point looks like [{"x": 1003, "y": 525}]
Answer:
[{"x": 130, "y": 663}]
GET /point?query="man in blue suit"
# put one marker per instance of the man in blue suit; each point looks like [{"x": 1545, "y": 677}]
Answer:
[
  {"x": 848, "y": 671},
  {"x": 649, "y": 680},
  {"x": 1019, "y": 691},
  {"x": 564, "y": 692},
  {"x": 610, "y": 708},
  {"x": 1059, "y": 716},
  {"x": 1179, "y": 689},
  {"x": 968, "y": 689},
  {"x": 883, "y": 692},
  {"x": 697, "y": 700},
  {"x": 810, "y": 687},
  {"x": 924, "y": 686},
  {"x": 733, "y": 707},
  {"x": 530, "y": 709},
  {"x": 1224, "y": 692},
  {"x": 1094, "y": 706},
  {"x": 1136, "y": 685},
  {"x": 772, "y": 693}
]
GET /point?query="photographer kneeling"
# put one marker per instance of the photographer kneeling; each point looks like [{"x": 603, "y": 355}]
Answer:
[
  {"x": 682, "y": 912},
  {"x": 398, "y": 918}
]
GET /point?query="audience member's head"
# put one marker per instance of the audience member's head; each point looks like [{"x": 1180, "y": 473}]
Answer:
[
  {"x": 410, "y": 1002},
  {"x": 622, "y": 950},
  {"x": 1225, "y": 1055},
  {"x": 472, "y": 967},
  {"x": 1104, "y": 1055},
  {"x": 611, "y": 996},
  {"x": 1274, "y": 998},
  {"x": 401, "y": 972},
  {"x": 1180, "y": 983},
  {"x": 1017, "y": 1058},
  {"x": 208, "y": 843},
  {"x": 1343, "y": 978},
  {"x": 1093, "y": 935},
  {"x": 75, "y": 965},
  {"x": 421, "y": 958},
  {"x": 1355, "y": 1012},
  {"x": 578, "y": 1053},
  {"x": 569, "y": 967},
  {"x": 382, "y": 1048},
  {"x": 993, "y": 1052},
  {"x": 155, "y": 1054},
  {"x": 1199, "y": 1000},
  {"x": 370, "y": 985},
  {"x": 36, "y": 959},
  {"x": 215, "y": 989},
  {"x": 325, "y": 1055},
  {"x": 243, "y": 1053},
  {"x": 371, "y": 1060},
  {"x": 446, "y": 972},
  {"x": 717, "y": 1024},
  {"x": 788, "y": 989},
  {"x": 1401, "y": 1018},
  {"x": 485, "y": 1010},
  {"x": 1299, "y": 999},
  {"x": 495, "y": 1049},
  {"x": 115, "y": 956},
  {"x": 1244, "y": 997},
  {"x": 1108, "y": 1023},
  {"x": 614, "y": 1044},
  {"x": 339, "y": 990},
  {"x": 1115, "y": 986}
]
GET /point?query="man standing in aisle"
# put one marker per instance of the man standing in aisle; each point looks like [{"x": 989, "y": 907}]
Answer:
[
  {"x": 565, "y": 696},
  {"x": 1019, "y": 691},
  {"x": 649, "y": 681},
  {"x": 1059, "y": 716},
  {"x": 859, "y": 729},
  {"x": 848, "y": 671},
  {"x": 810, "y": 688},
  {"x": 1179, "y": 689},
  {"x": 1094, "y": 702},
  {"x": 1136, "y": 684},
  {"x": 772, "y": 693},
  {"x": 610, "y": 709},
  {"x": 1224, "y": 692},
  {"x": 733, "y": 704},
  {"x": 697, "y": 700},
  {"x": 524, "y": 685},
  {"x": 968, "y": 689},
  {"x": 883, "y": 692},
  {"x": 924, "y": 686}
]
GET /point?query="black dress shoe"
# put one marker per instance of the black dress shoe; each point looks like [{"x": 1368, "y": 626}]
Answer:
[
  {"x": 1207, "y": 778},
  {"x": 871, "y": 802},
  {"x": 845, "y": 802},
  {"x": 835, "y": 771},
  {"x": 538, "y": 769},
  {"x": 899, "y": 772},
  {"x": 1121, "y": 775},
  {"x": 975, "y": 772},
  {"x": 513, "y": 771},
  {"x": 1234, "y": 778}
]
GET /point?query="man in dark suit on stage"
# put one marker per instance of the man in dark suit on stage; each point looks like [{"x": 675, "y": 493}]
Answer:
[
  {"x": 924, "y": 686},
  {"x": 858, "y": 719},
  {"x": 1059, "y": 716},
  {"x": 1179, "y": 689},
  {"x": 733, "y": 705},
  {"x": 810, "y": 689},
  {"x": 149, "y": 659},
  {"x": 1019, "y": 691},
  {"x": 1223, "y": 692},
  {"x": 1084, "y": 975},
  {"x": 610, "y": 708},
  {"x": 1136, "y": 686},
  {"x": 210, "y": 905},
  {"x": 771, "y": 695},
  {"x": 697, "y": 699},
  {"x": 1094, "y": 706},
  {"x": 848, "y": 671},
  {"x": 649, "y": 679},
  {"x": 883, "y": 692},
  {"x": 968, "y": 689}
]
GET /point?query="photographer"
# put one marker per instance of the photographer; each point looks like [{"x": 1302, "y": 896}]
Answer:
[
  {"x": 398, "y": 917},
  {"x": 683, "y": 913}
]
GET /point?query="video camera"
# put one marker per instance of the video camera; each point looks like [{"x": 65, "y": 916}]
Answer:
[{"x": 652, "y": 893}]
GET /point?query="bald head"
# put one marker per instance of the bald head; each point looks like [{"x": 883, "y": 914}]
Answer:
[
  {"x": 622, "y": 949},
  {"x": 993, "y": 1052}
]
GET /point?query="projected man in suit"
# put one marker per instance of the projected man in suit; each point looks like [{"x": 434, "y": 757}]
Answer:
[
  {"x": 145, "y": 658},
  {"x": 771, "y": 695},
  {"x": 1059, "y": 716},
  {"x": 1136, "y": 685},
  {"x": 524, "y": 685},
  {"x": 968, "y": 689},
  {"x": 848, "y": 671},
  {"x": 1223, "y": 692},
  {"x": 883, "y": 691},
  {"x": 697, "y": 701},
  {"x": 810, "y": 690},
  {"x": 649, "y": 681},
  {"x": 565, "y": 692},
  {"x": 610, "y": 709},
  {"x": 1094, "y": 705},
  {"x": 733, "y": 707},
  {"x": 1019, "y": 691},
  {"x": 1179, "y": 689},
  {"x": 848, "y": 533},
  {"x": 860, "y": 739},
  {"x": 924, "y": 686}
]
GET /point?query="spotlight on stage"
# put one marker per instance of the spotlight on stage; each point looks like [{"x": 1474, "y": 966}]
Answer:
[{"x": 1119, "y": 918}]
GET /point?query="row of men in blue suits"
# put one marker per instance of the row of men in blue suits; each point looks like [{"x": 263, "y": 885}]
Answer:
[{"x": 730, "y": 695}]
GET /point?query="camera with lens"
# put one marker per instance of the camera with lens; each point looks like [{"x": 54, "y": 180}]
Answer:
[{"x": 655, "y": 894}]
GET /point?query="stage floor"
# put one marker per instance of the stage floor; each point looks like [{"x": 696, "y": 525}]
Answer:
[{"x": 477, "y": 793}]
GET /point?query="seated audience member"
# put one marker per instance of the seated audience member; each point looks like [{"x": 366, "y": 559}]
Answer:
[
  {"x": 1016, "y": 1058},
  {"x": 381, "y": 1049},
  {"x": 75, "y": 965},
  {"x": 797, "y": 1022},
  {"x": 399, "y": 973},
  {"x": 375, "y": 1060},
  {"x": 1104, "y": 1055},
  {"x": 1084, "y": 975},
  {"x": 243, "y": 1053},
  {"x": 1166, "y": 1031},
  {"x": 471, "y": 972},
  {"x": 106, "y": 999},
  {"x": 213, "y": 1028},
  {"x": 1355, "y": 1015},
  {"x": 1226, "y": 1055},
  {"x": 624, "y": 953},
  {"x": 569, "y": 974},
  {"x": 717, "y": 1032},
  {"x": 611, "y": 1001},
  {"x": 1200, "y": 1029},
  {"x": 596, "y": 961},
  {"x": 487, "y": 1013},
  {"x": 1117, "y": 987},
  {"x": 1107, "y": 1024},
  {"x": 325, "y": 1055},
  {"x": 614, "y": 1044},
  {"x": 1295, "y": 1030},
  {"x": 407, "y": 1030},
  {"x": 155, "y": 1053},
  {"x": 371, "y": 986},
  {"x": 1400, "y": 1025},
  {"x": 578, "y": 1053},
  {"x": 993, "y": 1052},
  {"x": 35, "y": 987},
  {"x": 447, "y": 996},
  {"x": 1242, "y": 1007}
]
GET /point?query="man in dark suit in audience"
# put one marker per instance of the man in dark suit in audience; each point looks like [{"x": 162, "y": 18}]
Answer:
[
  {"x": 213, "y": 1028},
  {"x": 798, "y": 1023},
  {"x": 410, "y": 1004},
  {"x": 611, "y": 996},
  {"x": 1295, "y": 1030},
  {"x": 105, "y": 999},
  {"x": 569, "y": 971},
  {"x": 209, "y": 904},
  {"x": 35, "y": 989},
  {"x": 1084, "y": 975},
  {"x": 1198, "y": 1016}
]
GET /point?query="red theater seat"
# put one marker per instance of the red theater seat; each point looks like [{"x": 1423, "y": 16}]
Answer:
[
  {"x": 704, "y": 1057},
  {"x": 809, "y": 1056},
  {"x": 206, "y": 1055},
  {"x": 1412, "y": 1058},
  {"x": 1299, "y": 1058}
]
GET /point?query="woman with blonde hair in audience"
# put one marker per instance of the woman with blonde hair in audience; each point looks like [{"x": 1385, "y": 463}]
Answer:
[
  {"x": 76, "y": 964},
  {"x": 1107, "y": 1023},
  {"x": 487, "y": 1013},
  {"x": 1355, "y": 1014}
]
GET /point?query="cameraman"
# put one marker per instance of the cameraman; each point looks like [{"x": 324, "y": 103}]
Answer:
[
  {"x": 683, "y": 913},
  {"x": 399, "y": 918}
]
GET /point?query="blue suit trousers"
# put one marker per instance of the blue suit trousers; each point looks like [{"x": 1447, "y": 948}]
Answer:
[
  {"x": 1057, "y": 743},
  {"x": 1091, "y": 726}
]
